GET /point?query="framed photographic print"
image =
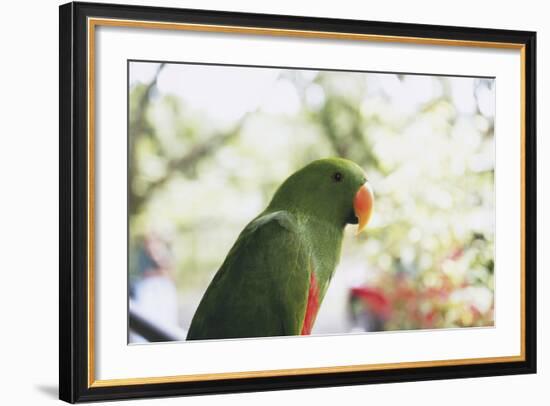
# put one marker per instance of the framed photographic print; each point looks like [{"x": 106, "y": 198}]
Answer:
[{"x": 254, "y": 202}]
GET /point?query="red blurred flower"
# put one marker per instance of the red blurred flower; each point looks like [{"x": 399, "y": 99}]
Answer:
[{"x": 375, "y": 299}]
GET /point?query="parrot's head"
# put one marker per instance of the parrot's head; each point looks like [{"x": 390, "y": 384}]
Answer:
[{"x": 335, "y": 190}]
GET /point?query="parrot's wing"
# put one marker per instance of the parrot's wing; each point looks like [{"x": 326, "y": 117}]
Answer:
[{"x": 262, "y": 287}]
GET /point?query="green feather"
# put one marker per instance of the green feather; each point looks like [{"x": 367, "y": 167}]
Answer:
[
  {"x": 261, "y": 289},
  {"x": 256, "y": 293}
]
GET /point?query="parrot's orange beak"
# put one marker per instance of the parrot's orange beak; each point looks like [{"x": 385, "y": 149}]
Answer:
[{"x": 363, "y": 204}]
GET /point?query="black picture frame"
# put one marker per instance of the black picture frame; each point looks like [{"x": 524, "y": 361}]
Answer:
[{"x": 74, "y": 385}]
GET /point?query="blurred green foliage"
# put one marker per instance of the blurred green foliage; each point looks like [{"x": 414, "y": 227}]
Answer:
[{"x": 426, "y": 144}]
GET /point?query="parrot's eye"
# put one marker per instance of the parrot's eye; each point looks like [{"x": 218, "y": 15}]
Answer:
[{"x": 337, "y": 176}]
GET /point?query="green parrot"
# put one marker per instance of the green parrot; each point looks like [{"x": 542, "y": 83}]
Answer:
[{"x": 275, "y": 276}]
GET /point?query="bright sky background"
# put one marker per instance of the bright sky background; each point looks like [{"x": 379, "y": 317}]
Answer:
[{"x": 219, "y": 91}]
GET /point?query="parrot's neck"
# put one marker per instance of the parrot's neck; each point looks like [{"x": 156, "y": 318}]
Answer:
[{"x": 326, "y": 244}]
